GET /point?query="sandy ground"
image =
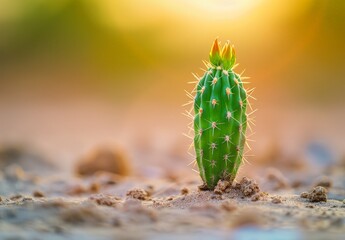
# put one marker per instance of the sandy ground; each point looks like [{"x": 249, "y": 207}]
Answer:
[{"x": 39, "y": 202}]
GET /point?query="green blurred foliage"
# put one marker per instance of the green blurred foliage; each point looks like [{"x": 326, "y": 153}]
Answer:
[
  {"x": 282, "y": 44},
  {"x": 68, "y": 31}
]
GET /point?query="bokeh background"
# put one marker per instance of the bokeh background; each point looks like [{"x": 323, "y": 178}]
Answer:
[{"x": 77, "y": 74}]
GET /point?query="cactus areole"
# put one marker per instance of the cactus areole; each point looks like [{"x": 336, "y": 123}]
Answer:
[{"x": 220, "y": 119}]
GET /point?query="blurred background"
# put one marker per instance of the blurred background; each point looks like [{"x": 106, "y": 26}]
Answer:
[{"x": 77, "y": 74}]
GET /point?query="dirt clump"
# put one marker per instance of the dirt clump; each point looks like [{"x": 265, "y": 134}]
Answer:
[
  {"x": 105, "y": 159},
  {"x": 222, "y": 187},
  {"x": 318, "y": 194},
  {"x": 248, "y": 187},
  {"x": 139, "y": 194}
]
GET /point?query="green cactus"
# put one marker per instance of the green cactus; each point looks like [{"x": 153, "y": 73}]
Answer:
[{"x": 220, "y": 119}]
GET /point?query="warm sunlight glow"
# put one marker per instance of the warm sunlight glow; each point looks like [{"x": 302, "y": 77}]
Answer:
[
  {"x": 210, "y": 10},
  {"x": 233, "y": 8}
]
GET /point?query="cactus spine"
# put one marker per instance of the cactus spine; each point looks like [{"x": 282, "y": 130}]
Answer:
[{"x": 220, "y": 119}]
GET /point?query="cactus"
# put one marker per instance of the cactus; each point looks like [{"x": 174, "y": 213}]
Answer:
[{"x": 220, "y": 118}]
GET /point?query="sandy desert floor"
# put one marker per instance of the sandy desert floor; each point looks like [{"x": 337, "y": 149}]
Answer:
[{"x": 39, "y": 201}]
